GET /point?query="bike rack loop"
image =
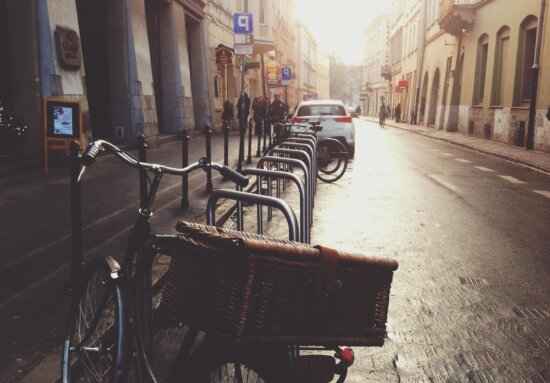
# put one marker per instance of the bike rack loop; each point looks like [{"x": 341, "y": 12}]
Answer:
[
  {"x": 304, "y": 210},
  {"x": 256, "y": 199},
  {"x": 310, "y": 151},
  {"x": 303, "y": 166},
  {"x": 304, "y": 156},
  {"x": 312, "y": 141}
]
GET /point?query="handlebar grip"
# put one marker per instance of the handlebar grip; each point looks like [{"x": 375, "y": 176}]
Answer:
[
  {"x": 91, "y": 153},
  {"x": 234, "y": 176}
]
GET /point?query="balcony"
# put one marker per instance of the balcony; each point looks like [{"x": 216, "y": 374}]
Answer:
[{"x": 456, "y": 15}]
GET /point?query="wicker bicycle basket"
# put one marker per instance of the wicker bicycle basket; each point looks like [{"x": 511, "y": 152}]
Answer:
[{"x": 249, "y": 288}]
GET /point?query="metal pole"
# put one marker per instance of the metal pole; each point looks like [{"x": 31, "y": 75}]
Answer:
[
  {"x": 208, "y": 135},
  {"x": 142, "y": 157},
  {"x": 242, "y": 122},
  {"x": 184, "y": 162},
  {"x": 530, "y": 142},
  {"x": 76, "y": 213},
  {"x": 226, "y": 142},
  {"x": 249, "y": 158}
]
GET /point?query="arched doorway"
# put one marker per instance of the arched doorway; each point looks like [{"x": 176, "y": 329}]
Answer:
[
  {"x": 455, "y": 96},
  {"x": 423, "y": 96},
  {"x": 434, "y": 95}
]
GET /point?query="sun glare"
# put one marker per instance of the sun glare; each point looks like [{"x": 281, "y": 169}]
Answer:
[{"x": 339, "y": 26}]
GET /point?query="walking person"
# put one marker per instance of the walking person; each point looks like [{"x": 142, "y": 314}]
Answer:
[
  {"x": 398, "y": 113},
  {"x": 382, "y": 115}
]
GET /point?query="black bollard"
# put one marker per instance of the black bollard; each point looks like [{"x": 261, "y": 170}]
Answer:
[
  {"x": 142, "y": 157},
  {"x": 226, "y": 142},
  {"x": 242, "y": 132},
  {"x": 208, "y": 134},
  {"x": 249, "y": 158},
  {"x": 76, "y": 214},
  {"x": 259, "y": 132},
  {"x": 184, "y": 162}
]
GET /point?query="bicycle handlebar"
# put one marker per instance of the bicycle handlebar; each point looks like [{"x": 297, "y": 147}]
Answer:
[{"x": 95, "y": 147}]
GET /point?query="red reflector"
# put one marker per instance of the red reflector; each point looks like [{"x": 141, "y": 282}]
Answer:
[
  {"x": 298, "y": 120},
  {"x": 348, "y": 356},
  {"x": 343, "y": 119}
]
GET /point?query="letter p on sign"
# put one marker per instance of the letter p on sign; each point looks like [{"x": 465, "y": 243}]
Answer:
[{"x": 242, "y": 23}]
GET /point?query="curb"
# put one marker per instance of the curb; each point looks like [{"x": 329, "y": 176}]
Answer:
[{"x": 514, "y": 160}]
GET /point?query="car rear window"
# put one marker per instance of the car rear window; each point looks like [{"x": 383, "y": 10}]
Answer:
[{"x": 322, "y": 110}]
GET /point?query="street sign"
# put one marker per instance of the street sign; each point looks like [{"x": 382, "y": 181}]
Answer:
[
  {"x": 242, "y": 23},
  {"x": 244, "y": 39},
  {"x": 243, "y": 49},
  {"x": 285, "y": 75},
  {"x": 253, "y": 65}
]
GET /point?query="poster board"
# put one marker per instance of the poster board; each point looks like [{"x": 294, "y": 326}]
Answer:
[{"x": 62, "y": 124}]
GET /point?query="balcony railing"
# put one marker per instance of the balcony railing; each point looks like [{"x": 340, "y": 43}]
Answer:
[{"x": 456, "y": 15}]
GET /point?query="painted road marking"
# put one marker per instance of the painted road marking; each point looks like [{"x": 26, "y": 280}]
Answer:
[
  {"x": 484, "y": 169},
  {"x": 543, "y": 193},
  {"x": 447, "y": 154},
  {"x": 463, "y": 160},
  {"x": 511, "y": 179}
]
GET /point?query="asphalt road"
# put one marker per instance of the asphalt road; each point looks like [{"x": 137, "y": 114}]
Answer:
[{"x": 470, "y": 300}]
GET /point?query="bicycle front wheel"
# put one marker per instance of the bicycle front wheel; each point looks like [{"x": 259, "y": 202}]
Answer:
[
  {"x": 332, "y": 160},
  {"x": 94, "y": 342}
]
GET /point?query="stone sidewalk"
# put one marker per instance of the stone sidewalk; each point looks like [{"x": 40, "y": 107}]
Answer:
[{"x": 534, "y": 159}]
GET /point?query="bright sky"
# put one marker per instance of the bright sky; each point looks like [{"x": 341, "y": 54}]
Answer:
[{"x": 339, "y": 25}]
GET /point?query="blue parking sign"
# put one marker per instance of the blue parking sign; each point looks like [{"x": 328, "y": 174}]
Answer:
[
  {"x": 285, "y": 73},
  {"x": 242, "y": 23}
]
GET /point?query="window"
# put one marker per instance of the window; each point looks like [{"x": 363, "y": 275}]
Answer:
[
  {"x": 501, "y": 87},
  {"x": 262, "y": 11},
  {"x": 322, "y": 110},
  {"x": 481, "y": 69},
  {"x": 525, "y": 60}
]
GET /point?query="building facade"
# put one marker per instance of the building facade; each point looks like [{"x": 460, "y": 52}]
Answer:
[
  {"x": 137, "y": 66},
  {"x": 494, "y": 68},
  {"x": 397, "y": 82},
  {"x": 376, "y": 68},
  {"x": 285, "y": 47},
  {"x": 322, "y": 83},
  {"x": 306, "y": 56}
]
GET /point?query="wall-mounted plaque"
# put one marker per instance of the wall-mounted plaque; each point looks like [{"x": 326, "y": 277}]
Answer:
[{"x": 68, "y": 48}]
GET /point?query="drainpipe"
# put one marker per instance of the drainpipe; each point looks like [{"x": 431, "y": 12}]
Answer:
[
  {"x": 534, "y": 83},
  {"x": 420, "y": 64}
]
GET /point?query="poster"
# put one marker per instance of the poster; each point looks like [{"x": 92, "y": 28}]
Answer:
[{"x": 63, "y": 121}]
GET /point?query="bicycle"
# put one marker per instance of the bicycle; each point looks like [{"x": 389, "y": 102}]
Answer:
[
  {"x": 111, "y": 313},
  {"x": 331, "y": 154},
  {"x": 112, "y": 305}
]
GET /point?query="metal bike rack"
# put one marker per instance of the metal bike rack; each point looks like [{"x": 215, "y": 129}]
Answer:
[
  {"x": 307, "y": 179},
  {"x": 310, "y": 151},
  {"x": 291, "y": 220},
  {"x": 303, "y": 155},
  {"x": 269, "y": 174}
]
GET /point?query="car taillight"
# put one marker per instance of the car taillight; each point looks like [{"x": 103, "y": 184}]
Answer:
[
  {"x": 343, "y": 119},
  {"x": 298, "y": 120}
]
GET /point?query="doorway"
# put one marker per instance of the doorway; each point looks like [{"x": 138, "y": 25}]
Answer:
[
  {"x": 434, "y": 95},
  {"x": 423, "y": 96},
  {"x": 152, "y": 15},
  {"x": 92, "y": 20}
]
